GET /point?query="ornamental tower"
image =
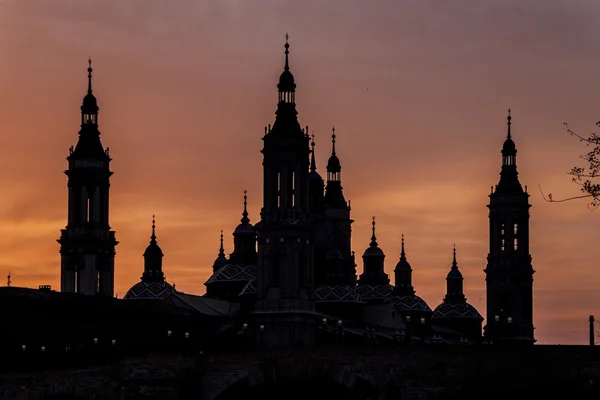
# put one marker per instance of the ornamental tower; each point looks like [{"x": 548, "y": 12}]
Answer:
[
  {"x": 509, "y": 273},
  {"x": 87, "y": 244}
]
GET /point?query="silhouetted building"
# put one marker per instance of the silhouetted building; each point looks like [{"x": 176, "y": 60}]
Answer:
[
  {"x": 153, "y": 284},
  {"x": 509, "y": 273},
  {"x": 87, "y": 244}
]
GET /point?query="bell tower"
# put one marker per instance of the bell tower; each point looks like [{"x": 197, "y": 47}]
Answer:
[
  {"x": 285, "y": 300},
  {"x": 509, "y": 273},
  {"x": 87, "y": 244}
]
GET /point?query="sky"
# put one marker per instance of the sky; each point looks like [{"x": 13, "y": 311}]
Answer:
[{"x": 418, "y": 91}]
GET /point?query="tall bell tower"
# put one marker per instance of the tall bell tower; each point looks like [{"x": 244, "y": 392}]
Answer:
[
  {"x": 285, "y": 300},
  {"x": 87, "y": 244},
  {"x": 509, "y": 273}
]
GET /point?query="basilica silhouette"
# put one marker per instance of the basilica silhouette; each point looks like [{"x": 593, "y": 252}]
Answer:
[{"x": 293, "y": 275}]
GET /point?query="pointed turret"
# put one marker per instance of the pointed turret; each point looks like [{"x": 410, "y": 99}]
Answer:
[
  {"x": 403, "y": 275},
  {"x": 221, "y": 260},
  {"x": 315, "y": 182},
  {"x": 509, "y": 176},
  {"x": 454, "y": 283},
  {"x": 153, "y": 259},
  {"x": 334, "y": 194},
  {"x": 373, "y": 259},
  {"x": 244, "y": 239}
]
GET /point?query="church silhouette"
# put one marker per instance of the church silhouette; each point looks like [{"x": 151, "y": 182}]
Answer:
[{"x": 291, "y": 278}]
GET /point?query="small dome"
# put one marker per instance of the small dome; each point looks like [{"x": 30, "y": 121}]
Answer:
[
  {"x": 247, "y": 228},
  {"x": 375, "y": 292},
  {"x": 334, "y": 254},
  {"x": 456, "y": 310},
  {"x": 373, "y": 251},
  {"x": 150, "y": 290},
  {"x": 410, "y": 303},
  {"x": 90, "y": 104},
  {"x": 220, "y": 262},
  {"x": 153, "y": 250},
  {"x": 314, "y": 178},
  {"x": 286, "y": 82},
  {"x": 454, "y": 274},
  {"x": 337, "y": 293},
  {"x": 509, "y": 148},
  {"x": 334, "y": 165}
]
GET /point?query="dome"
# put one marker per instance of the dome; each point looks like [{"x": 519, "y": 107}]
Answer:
[
  {"x": 456, "y": 310},
  {"x": 220, "y": 262},
  {"x": 373, "y": 251},
  {"x": 403, "y": 264},
  {"x": 410, "y": 303},
  {"x": 509, "y": 148},
  {"x": 150, "y": 290},
  {"x": 89, "y": 104},
  {"x": 337, "y": 293},
  {"x": 374, "y": 292},
  {"x": 153, "y": 250},
  {"x": 314, "y": 178},
  {"x": 454, "y": 274},
  {"x": 233, "y": 273},
  {"x": 334, "y": 254},
  {"x": 242, "y": 228},
  {"x": 334, "y": 165},
  {"x": 286, "y": 82}
]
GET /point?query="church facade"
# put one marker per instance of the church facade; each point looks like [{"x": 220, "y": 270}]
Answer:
[{"x": 293, "y": 274}]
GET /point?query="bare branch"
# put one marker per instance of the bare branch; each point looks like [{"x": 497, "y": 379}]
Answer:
[{"x": 549, "y": 198}]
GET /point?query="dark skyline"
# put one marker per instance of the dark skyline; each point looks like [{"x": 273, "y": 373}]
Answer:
[{"x": 419, "y": 110}]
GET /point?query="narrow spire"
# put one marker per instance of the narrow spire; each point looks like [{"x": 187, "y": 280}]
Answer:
[
  {"x": 333, "y": 141},
  {"x": 153, "y": 236},
  {"x": 454, "y": 263},
  {"x": 373, "y": 237},
  {"x": 508, "y": 124},
  {"x": 89, "y": 75},
  {"x": 402, "y": 253},
  {"x": 287, "y": 52},
  {"x": 245, "y": 218},
  {"x": 313, "y": 163},
  {"x": 221, "y": 249}
]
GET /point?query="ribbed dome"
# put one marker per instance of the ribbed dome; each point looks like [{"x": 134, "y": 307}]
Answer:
[
  {"x": 460, "y": 310},
  {"x": 89, "y": 104},
  {"x": 333, "y": 164},
  {"x": 286, "y": 82},
  {"x": 509, "y": 148}
]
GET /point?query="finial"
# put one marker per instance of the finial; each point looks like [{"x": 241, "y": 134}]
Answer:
[
  {"x": 373, "y": 237},
  {"x": 90, "y": 75},
  {"x": 221, "y": 249},
  {"x": 508, "y": 123},
  {"x": 402, "y": 253},
  {"x": 454, "y": 264},
  {"x": 313, "y": 162},
  {"x": 245, "y": 218},
  {"x": 153, "y": 236},
  {"x": 287, "y": 52},
  {"x": 8, "y": 281},
  {"x": 333, "y": 141}
]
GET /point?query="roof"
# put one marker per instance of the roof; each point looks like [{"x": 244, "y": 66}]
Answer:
[
  {"x": 233, "y": 272},
  {"x": 456, "y": 310},
  {"x": 149, "y": 290},
  {"x": 378, "y": 292},
  {"x": 410, "y": 303},
  {"x": 337, "y": 293}
]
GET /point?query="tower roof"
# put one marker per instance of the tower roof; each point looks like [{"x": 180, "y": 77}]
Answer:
[
  {"x": 89, "y": 104},
  {"x": 403, "y": 263},
  {"x": 454, "y": 272},
  {"x": 153, "y": 249},
  {"x": 286, "y": 79},
  {"x": 333, "y": 164},
  {"x": 221, "y": 260},
  {"x": 314, "y": 177},
  {"x": 245, "y": 226},
  {"x": 509, "y": 176},
  {"x": 373, "y": 250},
  {"x": 509, "y": 148}
]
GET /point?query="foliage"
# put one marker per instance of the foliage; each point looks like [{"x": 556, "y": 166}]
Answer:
[{"x": 585, "y": 177}]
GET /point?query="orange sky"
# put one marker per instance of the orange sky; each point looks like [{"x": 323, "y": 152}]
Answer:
[{"x": 417, "y": 91}]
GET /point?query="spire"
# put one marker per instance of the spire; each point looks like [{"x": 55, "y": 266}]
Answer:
[
  {"x": 454, "y": 282},
  {"x": 287, "y": 52},
  {"x": 89, "y": 75},
  {"x": 221, "y": 249},
  {"x": 454, "y": 264},
  {"x": 333, "y": 141},
  {"x": 508, "y": 124},
  {"x": 373, "y": 237},
  {"x": 153, "y": 236},
  {"x": 245, "y": 219},
  {"x": 313, "y": 163},
  {"x": 286, "y": 85},
  {"x": 153, "y": 258},
  {"x": 402, "y": 253}
]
